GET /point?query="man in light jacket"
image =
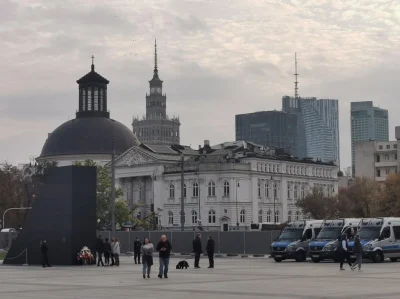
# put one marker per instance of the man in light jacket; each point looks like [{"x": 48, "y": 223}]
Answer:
[{"x": 117, "y": 251}]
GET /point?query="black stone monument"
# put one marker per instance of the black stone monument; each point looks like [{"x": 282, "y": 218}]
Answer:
[{"x": 64, "y": 216}]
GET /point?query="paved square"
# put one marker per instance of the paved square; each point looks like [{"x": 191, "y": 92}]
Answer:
[{"x": 232, "y": 278}]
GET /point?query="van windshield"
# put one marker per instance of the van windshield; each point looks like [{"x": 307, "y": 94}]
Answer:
[
  {"x": 367, "y": 233},
  {"x": 329, "y": 233},
  {"x": 291, "y": 234}
]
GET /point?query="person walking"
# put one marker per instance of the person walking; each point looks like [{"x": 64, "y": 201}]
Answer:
[
  {"x": 137, "y": 246},
  {"x": 112, "y": 252},
  {"x": 100, "y": 250},
  {"x": 107, "y": 252},
  {"x": 147, "y": 257},
  {"x": 117, "y": 251},
  {"x": 197, "y": 249},
  {"x": 358, "y": 251},
  {"x": 210, "y": 251},
  {"x": 343, "y": 252},
  {"x": 44, "y": 249},
  {"x": 164, "y": 248}
]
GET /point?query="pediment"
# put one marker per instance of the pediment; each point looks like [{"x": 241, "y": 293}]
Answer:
[{"x": 134, "y": 157}]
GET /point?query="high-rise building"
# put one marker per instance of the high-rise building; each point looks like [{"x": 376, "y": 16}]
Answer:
[
  {"x": 156, "y": 127},
  {"x": 317, "y": 127},
  {"x": 271, "y": 129},
  {"x": 368, "y": 123}
]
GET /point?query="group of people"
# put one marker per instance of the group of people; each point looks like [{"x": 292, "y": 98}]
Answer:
[
  {"x": 198, "y": 250},
  {"x": 344, "y": 254},
  {"x": 110, "y": 250}
]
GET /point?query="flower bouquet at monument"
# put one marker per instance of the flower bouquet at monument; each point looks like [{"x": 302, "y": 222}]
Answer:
[{"x": 85, "y": 256}]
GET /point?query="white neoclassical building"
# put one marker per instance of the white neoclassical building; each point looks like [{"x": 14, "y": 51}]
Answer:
[{"x": 228, "y": 186}]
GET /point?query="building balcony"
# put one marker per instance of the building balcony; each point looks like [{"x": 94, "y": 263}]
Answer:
[{"x": 391, "y": 163}]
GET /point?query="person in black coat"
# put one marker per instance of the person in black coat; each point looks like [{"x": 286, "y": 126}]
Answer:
[
  {"x": 197, "y": 249},
  {"x": 100, "y": 250},
  {"x": 44, "y": 249},
  {"x": 107, "y": 252},
  {"x": 137, "y": 247},
  {"x": 210, "y": 251}
]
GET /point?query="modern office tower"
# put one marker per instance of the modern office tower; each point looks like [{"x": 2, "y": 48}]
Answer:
[
  {"x": 271, "y": 129},
  {"x": 368, "y": 123},
  {"x": 317, "y": 127}
]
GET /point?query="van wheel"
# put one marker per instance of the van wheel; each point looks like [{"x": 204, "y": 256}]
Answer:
[
  {"x": 315, "y": 260},
  {"x": 393, "y": 259},
  {"x": 278, "y": 260},
  {"x": 378, "y": 257},
  {"x": 300, "y": 257}
]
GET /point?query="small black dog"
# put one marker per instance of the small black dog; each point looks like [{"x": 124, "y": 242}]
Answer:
[{"x": 182, "y": 264}]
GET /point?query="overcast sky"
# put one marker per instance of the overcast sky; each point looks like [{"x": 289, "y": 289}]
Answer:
[{"x": 217, "y": 58}]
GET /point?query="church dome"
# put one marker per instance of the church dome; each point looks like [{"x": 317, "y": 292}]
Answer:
[
  {"x": 88, "y": 135},
  {"x": 92, "y": 132}
]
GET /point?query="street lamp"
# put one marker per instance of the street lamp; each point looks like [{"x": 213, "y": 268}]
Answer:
[
  {"x": 237, "y": 211},
  {"x": 152, "y": 205},
  {"x": 198, "y": 194},
  {"x": 4, "y": 214}
]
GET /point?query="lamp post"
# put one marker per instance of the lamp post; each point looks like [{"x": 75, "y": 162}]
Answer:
[
  {"x": 4, "y": 214},
  {"x": 113, "y": 190},
  {"x": 237, "y": 211},
  {"x": 198, "y": 184},
  {"x": 182, "y": 194},
  {"x": 152, "y": 205}
]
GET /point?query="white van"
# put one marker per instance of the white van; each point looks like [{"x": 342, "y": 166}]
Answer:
[{"x": 380, "y": 239}]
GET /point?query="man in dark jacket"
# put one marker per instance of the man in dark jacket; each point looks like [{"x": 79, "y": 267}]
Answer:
[
  {"x": 358, "y": 251},
  {"x": 137, "y": 246},
  {"x": 210, "y": 251},
  {"x": 197, "y": 249},
  {"x": 164, "y": 248},
  {"x": 100, "y": 250},
  {"x": 44, "y": 249}
]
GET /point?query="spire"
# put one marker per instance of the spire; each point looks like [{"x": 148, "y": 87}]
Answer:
[
  {"x": 92, "y": 63},
  {"x": 155, "y": 58},
  {"x": 296, "y": 89}
]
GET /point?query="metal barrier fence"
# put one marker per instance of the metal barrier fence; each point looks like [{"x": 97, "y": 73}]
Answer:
[{"x": 240, "y": 242}]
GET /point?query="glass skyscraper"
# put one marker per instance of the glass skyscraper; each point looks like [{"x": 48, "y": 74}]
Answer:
[
  {"x": 271, "y": 129},
  {"x": 317, "y": 127},
  {"x": 368, "y": 123}
]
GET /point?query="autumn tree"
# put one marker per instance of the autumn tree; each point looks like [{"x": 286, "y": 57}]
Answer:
[
  {"x": 389, "y": 196},
  {"x": 319, "y": 206}
]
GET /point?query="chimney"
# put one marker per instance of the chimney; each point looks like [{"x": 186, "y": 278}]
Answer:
[{"x": 206, "y": 142}]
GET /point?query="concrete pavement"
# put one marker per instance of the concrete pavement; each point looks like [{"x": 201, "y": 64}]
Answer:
[{"x": 232, "y": 278}]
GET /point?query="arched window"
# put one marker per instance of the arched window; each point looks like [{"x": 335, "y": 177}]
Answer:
[
  {"x": 226, "y": 188},
  {"x": 289, "y": 216},
  {"x": 184, "y": 190},
  {"x": 211, "y": 216},
  {"x": 269, "y": 216},
  {"x": 266, "y": 187},
  {"x": 211, "y": 189},
  {"x": 297, "y": 215},
  {"x": 295, "y": 191},
  {"x": 171, "y": 191},
  {"x": 276, "y": 217},
  {"x": 195, "y": 190},
  {"x": 170, "y": 218},
  {"x": 194, "y": 217},
  {"x": 242, "y": 216},
  {"x": 260, "y": 216}
]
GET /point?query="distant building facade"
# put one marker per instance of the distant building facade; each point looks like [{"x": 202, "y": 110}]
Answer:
[
  {"x": 271, "y": 129},
  {"x": 368, "y": 123},
  {"x": 156, "y": 127},
  {"x": 317, "y": 127}
]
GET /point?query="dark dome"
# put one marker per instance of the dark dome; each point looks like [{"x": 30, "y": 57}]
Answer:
[{"x": 88, "y": 135}]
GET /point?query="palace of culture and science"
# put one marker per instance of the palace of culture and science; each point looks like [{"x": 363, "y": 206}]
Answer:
[{"x": 156, "y": 127}]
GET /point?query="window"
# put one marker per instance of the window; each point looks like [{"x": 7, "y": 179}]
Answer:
[
  {"x": 96, "y": 99},
  {"x": 194, "y": 217},
  {"x": 276, "y": 217},
  {"x": 288, "y": 190},
  {"x": 259, "y": 189},
  {"x": 101, "y": 101},
  {"x": 170, "y": 218},
  {"x": 387, "y": 170},
  {"x": 295, "y": 191},
  {"x": 302, "y": 195},
  {"x": 89, "y": 101},
  {"x": 378, "y": 173},
  {"x": 260, "y": 216},
  {"x": 388, "y": 146},
  {"x": 242, "y": 216},
  {"x": 289, "y": 216},
  {"x": 394, "y": 145},
  {"x": 275, "y": 190},
  {"x": 297, "y": 215},
  {"x": 266, "y": 187},
  {"x": 226, "y": 188},
  {"x": 265, "y": 167},
  {"x": 171, "y": 191},
  {"x": 380, "y": 147},
  {"x": 195, "y": 190},
  {"x": 386, "y": 157},
  {"x": 184, "y": 190},
  {"x": 83, "y": 97},
  {"x": 269, "y": 216},
  {"x": 378, "y": 158},
  {"x": 395, "y": 156},
  {"x": 211, "y": 216},
  {"x": 211, "y": 189}
]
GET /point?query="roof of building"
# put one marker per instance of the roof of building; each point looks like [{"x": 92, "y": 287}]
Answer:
[
  {"x": 91, "y": 77},
  {"x": 88, "y": 135}
]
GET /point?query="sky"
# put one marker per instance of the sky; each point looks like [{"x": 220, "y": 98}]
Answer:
[{"x": 217, "y": 58}]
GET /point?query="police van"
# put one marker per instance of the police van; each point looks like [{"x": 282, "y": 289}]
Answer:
[
  {"x": 293, "y": 241},
  {"x": 380, "y": 239},
  {"x": 325, "y": 245}
]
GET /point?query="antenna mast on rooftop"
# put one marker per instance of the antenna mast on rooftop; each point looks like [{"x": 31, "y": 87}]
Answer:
[{"x": 296, "y": 88}]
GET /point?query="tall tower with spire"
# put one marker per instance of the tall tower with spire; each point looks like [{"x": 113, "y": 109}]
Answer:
[{"x": 156, "y": 127}]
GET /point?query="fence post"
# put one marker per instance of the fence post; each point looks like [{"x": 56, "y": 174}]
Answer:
[{"x": 219, "y": 246}]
